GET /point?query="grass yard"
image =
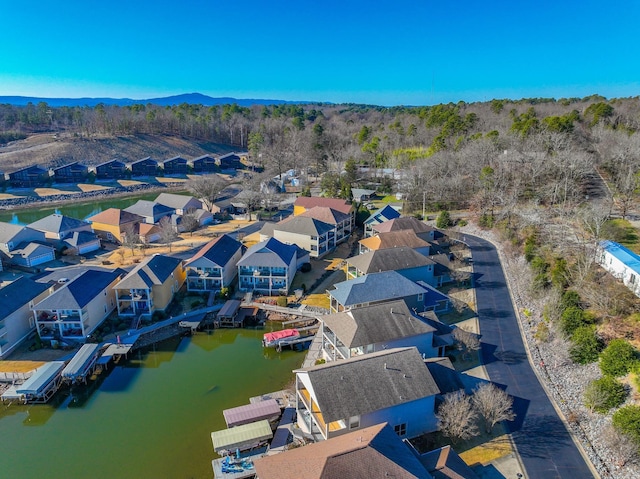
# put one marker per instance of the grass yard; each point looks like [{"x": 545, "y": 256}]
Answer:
[
  {"x": 320, "y": 300},
  {"x": 19, "y": 366}
]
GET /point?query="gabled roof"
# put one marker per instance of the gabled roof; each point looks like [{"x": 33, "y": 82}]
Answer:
[
  {"x": 145, "y": 229},
  {"x": 114, "y": 217},
  {"x": 18, "y": 293},
  {"x": 624, "y": 255},
  {"x": 204, "y": 157},
  {"x": 177, "y": 201},
  {"x": 444, "y": 374},
  {"x": 370, "y": 452},
  {"x": 308, "y": 202},
  {"x": 403, "y": 223},
  {"x": 119, "y": 162},
  {"x": 389, "y": 259},
  {"x": 370, "y": 382},
  {"x": 75, "y": 163},
  {"x": 179, "y": 159},
  {"x": 376, "y": 324},
  {"x": 218, "y": 251},
  {"x": 303, "y": 225},
  {"x": 386, "y": 213},
  {"x": 80, "y": 291},
  {"x": 444, "y": 463},
  {"x": 326, "y": 214},
  {"x": 33, "y": 249},
  {"x": 8, "y": 231},
  {"x": 394, "y": 239},
  {"x": 149, "y": 208},
  {"x": 154, "y": 271},
  {"x": 56, "y": 223},
  {"x": 147, "y": 159},
  {"x": 375, "y": 287},
  {"x": 269, "y": 253},
  {"x": 37, "y": 168},
  {"x": 79, "y": 238}
]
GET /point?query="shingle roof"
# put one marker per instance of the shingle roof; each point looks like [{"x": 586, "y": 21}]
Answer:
[
  {"x": 80, "y": 291},
  {"x": 154, "y": 271},
  {"x": 269, "y": 253},
  {"x": 376, "y": 324},
  {"x": 303, "y": 225},
  {"x": 375, "y": 287},
  {"x": 403, "y": 223},
  {"x": 8, "y": 231},
  {"x": 326, "y": 214},
  {"x": 444, "y": 463},
  {"x": 80, "y": 237},
  {"x": 389, "y": 259},
  {"x": 444, "y": 374},
  {"x": 394, "y": 239},
  {"x": 149, "y": 208},
  {"x": 309, "y": 202},
  {"x": 115, "y": 217},
  {"x": 370, "y": 452},
  {"x": 371, "y": 382},
  {"x": 56, "y": 223},
  {"x": 176, "y": 201},
  {"x": 18, "y": 293},
  {"x": 219, "y": 251},
  {"x": 385, "y": 213}
]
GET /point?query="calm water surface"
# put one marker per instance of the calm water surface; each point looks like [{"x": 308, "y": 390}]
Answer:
[{"x": 150, "y": 417}]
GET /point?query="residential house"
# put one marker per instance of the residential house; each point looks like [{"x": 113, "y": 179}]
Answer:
[
  {"x": 304, "y": 203},
  {"x": 144, "y": 167},
  {"x": 114, "y": 224},
  {"x": 81, "y": 242},
  {"x": 268, "y": 267},
  {"x": 377, "y": 288},
  {"x": 204, "y": 164},
  {"x": 386, "y": 213},
  {"x": 71, "y": 173},
  {"x": 24, "y": 246},
  {"x": 391, "y": 386},
  {"x": 175, "y": 166},
  {"x": 223, "y": 208},
  {"x": 621, "y": 262},
  {"x": 75, "y": 310},
  {"x": 215, "y": 266},
  {"x": 230, "y": 161},
  {"x": 307, "y": 233},
  {"x": 406, "y": 261},
  {"x": 395, "y": 239},
  {"x": 29, "y": 177},
  {"x": 445, "y": 463},
  {"x": 65, "y": 232},
  {"x": 378, "y": 327},
  {"x": 203, "y": 216},
  {"x": 150, "y": 286},
  {"x": 366, "y": 453},
  {"x": 181, "y": 204},
  {"x": 16, "y": 318},
  {"x": 150, "y": 211},
  {"x": 149, "y": 233},
  {"x": 341, "y": 221},
  {"x": 111, "y": 170},
  {"x": 360, "y": 194},
  {"x": 421, "y": 229}
]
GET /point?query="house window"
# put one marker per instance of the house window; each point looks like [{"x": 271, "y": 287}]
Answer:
[
  {"x": 420, "y": 297},
  {"x": 401, "y": 429},
  {"x": 354, "y": 422},
  {"x": 632, "y": 279}
]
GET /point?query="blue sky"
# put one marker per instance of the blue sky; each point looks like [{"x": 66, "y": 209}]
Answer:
[{"x": 397, "y": 52}]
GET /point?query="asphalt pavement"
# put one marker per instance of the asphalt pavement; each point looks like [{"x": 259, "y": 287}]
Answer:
[{"x": 541, "y": 438}]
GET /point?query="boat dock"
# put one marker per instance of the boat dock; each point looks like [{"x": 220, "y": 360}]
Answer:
[
  {"x": 40, "y": 387},
  {"x": 283, "y": 432},
  {"x": 82, "y": 364}
]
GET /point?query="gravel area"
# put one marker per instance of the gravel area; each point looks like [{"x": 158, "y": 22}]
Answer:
[{"x": 564, "y": 381}]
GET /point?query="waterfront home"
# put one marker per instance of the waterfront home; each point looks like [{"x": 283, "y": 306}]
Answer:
[
  {"x": 16, "y": 318},
  {"x": 378, "y": 327},
  {"x": 268, "y": 267},
  {"x": 144, "y": 167},
  {"x": 393, "y": 386},
  {"x": 110, "y": 170},
  {"x": 215, "y": 265},
  {"x": 150, "y": 211},
  {"x": 305, "y": 203},
  {"x": 181, "y": 204},
  {"x": 24, "y": 246},
  {"x": 406, "y": 261},
  {"x": 341, "y": 221},
  {"x": 310, "y": 234},
  {"x": 204, "y": 164},
  {"x": 395, "y": 239},
  {"x": 380, "y": 287},
  {"x": 175, "y": 166},
  {"x": 71, "y": 173},
  {"x": 79, "y": 307},
  {"x": 29, "y": 177},
  {"x": 114, "y": 224},
  {"x": 65, "y": 232},
  {"x": 421, "y": 229},
  {"x": 369, "y": 452},
  {"x": 150, "y": 286},
  {"x": 622, "y": 263},
  {"x": 386, "y": 213}
]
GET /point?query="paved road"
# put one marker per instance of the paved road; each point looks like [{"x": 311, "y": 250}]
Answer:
[{"x": 543, "y": 442}]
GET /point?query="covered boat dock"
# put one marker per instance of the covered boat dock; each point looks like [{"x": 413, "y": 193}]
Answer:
[
  {"x": 242, "y": 438},
  {"x": 237, "y": 416},
  {"x": 228, "y": 315},
  {"x": 40, "y": 387},
  {"x": 82, "y": 363}
]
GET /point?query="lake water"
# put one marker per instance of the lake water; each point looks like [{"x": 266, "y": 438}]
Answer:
[{"x": 149, "y": 417}]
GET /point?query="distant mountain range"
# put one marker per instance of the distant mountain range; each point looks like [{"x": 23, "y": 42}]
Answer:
[{"x": 190, "y": 98}]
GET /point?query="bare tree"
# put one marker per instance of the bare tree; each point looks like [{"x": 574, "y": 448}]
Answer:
[
  {"x": 493, "y": 404},
  {"x": 189, "y": 222},
  {"x": 207, "y": 188},
  {"x": 621, "y": 446},
  {"x": 466, "y": 341},
  {"x": 130, "y": 237},
  {"x": 457, "y": 417},
  {"x": 167, "y": 232}
]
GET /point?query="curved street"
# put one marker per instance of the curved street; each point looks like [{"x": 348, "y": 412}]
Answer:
[{"x": 542, "y": 440}]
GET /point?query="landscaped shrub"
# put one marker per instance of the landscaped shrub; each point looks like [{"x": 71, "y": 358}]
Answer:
[
  {"x": 573, "y": 318},
  {"x": 443, "y": 220},
  {"x": 627, "y": 421},
  {"x": 586, "y": 346},
  {"x": 618, "y": 358},
  {"x": 570, "y": 298},
  {"x": 603, "y": 394}
]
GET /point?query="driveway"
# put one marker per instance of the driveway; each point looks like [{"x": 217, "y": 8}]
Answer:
[{"x": 541, "y": 438}]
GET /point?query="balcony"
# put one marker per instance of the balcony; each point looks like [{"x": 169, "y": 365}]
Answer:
[{"x": 316, "y": 414}]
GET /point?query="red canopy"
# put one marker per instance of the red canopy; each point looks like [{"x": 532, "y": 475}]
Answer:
[{"x": 285, "y": 333}]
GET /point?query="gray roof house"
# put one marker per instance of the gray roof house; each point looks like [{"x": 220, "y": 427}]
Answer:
[
  {"x": 310, "y": 234},
  {"x": 24, "y": 246},
  {"x": 405, "y": 260},
  {"x": 378, "y": 327},
  {"x": 341, "y": 221},
  {"x": 180, "y": 203},
  {"x": 423, "y": 230},
  {"x": 151, "y": 211},
  {"x": 59, "y": 227},
  {"x": 215, "y": 265},
  {"x": 393, "y": 385},
  {"x": 79, "y": 307},
  {"x": 268, "y": 267}
]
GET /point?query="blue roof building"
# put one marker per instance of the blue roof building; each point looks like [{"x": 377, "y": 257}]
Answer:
[{"x": 622, "y": 263}]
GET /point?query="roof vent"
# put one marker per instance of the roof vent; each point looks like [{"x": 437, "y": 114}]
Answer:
[
  {"x": 385, "y": 365},
  {"x": 405, "y": 375}
]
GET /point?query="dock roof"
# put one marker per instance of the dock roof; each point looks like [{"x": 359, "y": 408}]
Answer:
[
  {"x": 241, "y": 437},
  {"x": 41, "y": 378},
  {"x": 81, "y": 361},
  {"x": 249, "y": 413}
]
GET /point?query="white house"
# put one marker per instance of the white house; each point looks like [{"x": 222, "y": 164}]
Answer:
[
  {"x": 622, "y": 263},
  {"x": 268, "y": 267}
]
